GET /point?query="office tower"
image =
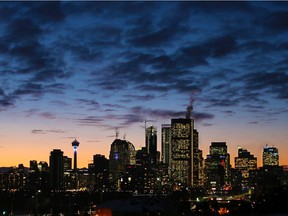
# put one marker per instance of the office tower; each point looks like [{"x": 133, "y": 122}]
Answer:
[
  {"x": 43, "y": 166},
  {"x": 56, "y": 169},
  {"x": 75, "y": 145},
  {"x": 182, "y": 151},
  {"x": 198, "y": 175},
  {"x": 139, "y": 177},
  {"x": 245, "y": 163},
  {"x": 217, "y": 167},
  {"x": 142, "y": 156},
  {"x": 44, "y": 175},
  {"x": 166, "y": 143},
  {"x": 270, "y": 156},
  {"x": 33, "y": 177},
  {"x": 122, "y": 153},
  {"x": 151, "y": 143},
  {"x": 67, "y": 163},
  {"x": 33, "y": 165},
  {"x": 101, "y": 172}
]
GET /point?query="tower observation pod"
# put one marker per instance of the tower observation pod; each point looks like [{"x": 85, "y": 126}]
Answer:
[{"x": 75, "y": 144}]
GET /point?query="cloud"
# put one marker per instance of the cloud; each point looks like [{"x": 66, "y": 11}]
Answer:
[
  {"x": 22, "y": 30},
  {"x": 146, "y": 97},
  {"x": 277, "y": 21},
  {"x": 253, "y": 122},
  {"x": 47, "y": 12},
  {"x": 207, "y": 124},
  {"x": 6, "y": 102},
  {"x": 168, "y": 114},
  {"x": 89, "y": 103},
  {"x": 91, "y": 120},
  {"x": 157, "y": 38},
  {"x": 141, "y": 52},
  {"x": 273, "y": 83},
  {"x": 47, "y": 115},
  {"x": 39, "y": 131}
]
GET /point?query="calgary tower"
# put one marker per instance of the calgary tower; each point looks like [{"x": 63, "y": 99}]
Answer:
[{"x": 75, "y": 144}]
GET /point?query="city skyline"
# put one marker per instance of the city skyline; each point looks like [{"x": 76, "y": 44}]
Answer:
[{"x": 79, "y": 70}]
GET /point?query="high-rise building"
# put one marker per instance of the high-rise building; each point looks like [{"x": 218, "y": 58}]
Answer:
[
  {"x": 122, "y": 153},
  {"x": 166, "y": 143},
  {"x": 217, "y": 167},
  {"x": 245, "y": 163},
  {"x": 151, "y": 143},
  {"x": 56, "y": 169},
  {"x": 101, "y": 172},
  {"x": 67, "y": 163},
  {"x": 270, "y": 156},
  {"x": 33, "y": 165},
  {"x": 198, "y": 175},
  {"x": 33, "y": 175},
  {"x": 182, "y": 151}
]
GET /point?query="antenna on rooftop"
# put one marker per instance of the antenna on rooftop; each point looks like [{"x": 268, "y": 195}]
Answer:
[{"x": 116, "y": 132}]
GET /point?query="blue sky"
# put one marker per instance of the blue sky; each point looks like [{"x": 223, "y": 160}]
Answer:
[{"x": 82, "y": 69}]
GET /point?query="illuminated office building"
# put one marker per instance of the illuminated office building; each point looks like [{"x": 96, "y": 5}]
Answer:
[
  {"x": 166, "y": 143},
  {"x": 217, "y": 167},
  {"x": 198, "y": 175},
  {"x": 270, "y": 156},
  {"x": 182, "y": 151},
  {"x": 245, "y": 163}
]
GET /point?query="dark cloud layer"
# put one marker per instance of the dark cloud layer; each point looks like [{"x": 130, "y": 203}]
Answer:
[{"x": 234, "y": 54}]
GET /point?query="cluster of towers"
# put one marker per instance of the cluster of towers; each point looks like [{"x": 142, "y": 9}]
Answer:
[{"x": 180, "y": 164}]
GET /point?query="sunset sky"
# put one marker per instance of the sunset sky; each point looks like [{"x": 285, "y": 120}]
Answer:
[{"x": 81, "y": 69}]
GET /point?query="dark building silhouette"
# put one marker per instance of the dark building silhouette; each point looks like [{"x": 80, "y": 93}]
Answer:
[
  {"x": 56, "y": 169},
  {"x": 13, "y": 177},
  {"x": 145, "y": 177},
  {"x": 67, "y": 163},
  {"x": 151, "y": 144},
  {"x": 99, "y": 170},
  {"x": 198, "y": 175},
  {"x": 166, "y": 143},
  {"x": 122, "y": 153}
]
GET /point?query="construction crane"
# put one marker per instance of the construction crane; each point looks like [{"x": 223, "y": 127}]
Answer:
[{"x": 145, "y": 121}]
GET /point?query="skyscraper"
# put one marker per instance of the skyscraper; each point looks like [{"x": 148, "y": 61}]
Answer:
[
  {"x": 122, "y": 153},
  {"x": 166, "y": 143},
  {"x": 100, "y": 172},
  {"x": 182, "y": 151},
  {"x": 151, "y": 143},
  {"x": 56, "y": 169},
  {"x": 245, "y": 163},
  {"x": 198, "y": 178},
  {"x": 270, "y": 156},
  {"x": 217, "y": 166}
]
